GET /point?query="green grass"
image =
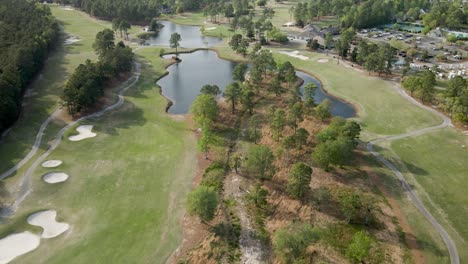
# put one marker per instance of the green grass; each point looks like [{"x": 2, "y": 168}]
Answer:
[
  {"x": 382, "y": 110},
  {"x": 437, "y": 164},
  {"x": 127, "y": 186}
]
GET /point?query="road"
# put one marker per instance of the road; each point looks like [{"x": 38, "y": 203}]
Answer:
[
  {"x": 25, "y": 187},
  {"x": 452, "y": 249}
]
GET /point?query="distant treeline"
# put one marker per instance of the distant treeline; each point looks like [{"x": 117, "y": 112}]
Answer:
[
  {"x": 27, "y": 32},
  {"x": 370, "y": 13},
  {"x": 141, "y": 10}
]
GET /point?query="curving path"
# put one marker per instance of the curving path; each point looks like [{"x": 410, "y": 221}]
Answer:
[
  {"x": 25, "y": 187},
  {"x": 454, "y": 258}
]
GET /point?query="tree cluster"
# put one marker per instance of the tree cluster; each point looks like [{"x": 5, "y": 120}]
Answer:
[
  {"x": 421, "y": 86},
  {"x": 456, "y": 99},
  {"x": 28, "y": 32},
  {"x": 85, "y": 85},
  {"x": 336, "y": 142}
]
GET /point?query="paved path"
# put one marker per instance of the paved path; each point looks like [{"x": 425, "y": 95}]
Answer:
[
  {"x": 454, "y": 258},
  {"x": 25, "y": 187}
]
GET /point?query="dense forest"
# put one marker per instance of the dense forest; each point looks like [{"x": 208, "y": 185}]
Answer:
[
  {"x": 28, "y": 31},
  {"x": 138, "y": 10},
  {"x": 363, "y": 14}
]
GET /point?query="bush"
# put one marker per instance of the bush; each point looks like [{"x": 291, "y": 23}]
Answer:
[{"x": 291, "y": 242}]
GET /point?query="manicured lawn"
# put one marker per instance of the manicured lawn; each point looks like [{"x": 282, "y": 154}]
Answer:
[
  {"x": 125, "y": 195},
  {"x": 437, "y": 164}
]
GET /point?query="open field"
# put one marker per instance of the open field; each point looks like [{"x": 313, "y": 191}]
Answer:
[
  {"x": 437, "y": 165},
  {"x": 127, "y": 185}
]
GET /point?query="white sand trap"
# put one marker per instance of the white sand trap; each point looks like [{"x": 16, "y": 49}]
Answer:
[
  {"x": 70, "y": 40},
  {"x": 46, "y": 220},
  {"x": 84, "y": 131},
  {"x": 17, "y": 244},
  {"x": 210, "y": 28},
  {"x": 295, "y": 54},
  {"x": 51, "y": 163},
  {"x": 322, "y": 60},
  {"x": 68, "y": 8},
  {"x": 55, "y": 177}
]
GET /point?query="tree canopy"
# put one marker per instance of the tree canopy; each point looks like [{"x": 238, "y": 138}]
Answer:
[{"x": 202, "y": 202}]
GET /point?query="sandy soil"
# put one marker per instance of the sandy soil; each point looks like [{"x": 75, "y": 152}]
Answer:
[
  {"x": 85, "y": 131},
  {"x": 46, "y": 220},
  {"x": 51, "y": 163},
  {"x": 294, "y": 54},
  {"x": 17, "y": 244},
  {"x": 322, "y": 60},
  {"x": 55, "y": 177}
]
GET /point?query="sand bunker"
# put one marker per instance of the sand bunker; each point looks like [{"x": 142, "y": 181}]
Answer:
[
  {"x": 55, "y": 177},
  {"x": 68, "y": 8},
  {"x": 70, "y": 40},
  {"x": 295, "y": 54},
  {"x": 210, "y": 28},
  {"x": 17, "y": 244},
  {"x": 46, "y": 220},
  {"x": 51, "y": 163},
  {"x": 322, "y": 60},
  {"x": 84, "y": 132}
]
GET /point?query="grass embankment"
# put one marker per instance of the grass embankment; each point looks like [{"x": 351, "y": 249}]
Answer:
[{"x": 125, "y": 194}]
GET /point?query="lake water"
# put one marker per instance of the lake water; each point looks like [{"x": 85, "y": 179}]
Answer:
[
  {"x": 191, "y": 36},
  {"x": 338, "y": 107},
  {"x": 186, "y": 78}
]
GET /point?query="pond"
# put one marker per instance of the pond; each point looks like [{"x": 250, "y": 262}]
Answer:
[
  {"x": 191, "y": 36},
  {"x": 338, "y": 107},
  {"x": 185, "y": 79}
]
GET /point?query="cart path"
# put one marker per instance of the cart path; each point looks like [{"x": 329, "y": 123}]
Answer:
[
  {"x": 25, "y": 186},
  {"x": 452, "y": 249}
]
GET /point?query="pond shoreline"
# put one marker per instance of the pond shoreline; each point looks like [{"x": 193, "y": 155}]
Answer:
[{"x": 357, "y": 110}]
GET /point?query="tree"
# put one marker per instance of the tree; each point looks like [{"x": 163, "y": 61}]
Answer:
[
  {"x": 359, "y": 247},
  {"x": 296, "y": 115},
  {"x": 229, "y": 11},
  {"x": 232, "y": 93},
  {"x": 206, "y": 138},
  {"x": 428, "y": 82},
  {"x": 323, "y": 110},
  {"x": 253, "y": 128},
  {"x": 210, "y": 89},
  {"x": 247, "y": 98},
  {"x": 204, "y": 108},
  {"x": 104, "y": 42},
  {"x": 239, "y": 71},
  {"x": 278, "y": 122},
  {"x": 276, "y": 86},
  {"x": 350, "y": 204},
  {"x": 291, "y": 242},
  {"x": 334, "y": 152},
  {"x": 202, "y": 202},
  {"x": 299, "y": 180},
  {"x": 235, "y": 41},
  {"x": 116, "y": 24},
  {"x": 125, "y": 26},
  {"x": 175, "y": 41},
  {"x": 243, "y": 46},
  {"x": 259, "y": 162},
  {"x": 290, "y": 73},
  {"x": 412, "y": 84}
]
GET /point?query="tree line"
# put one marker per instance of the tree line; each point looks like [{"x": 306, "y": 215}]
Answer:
[
  {"x": 86, "y": 84},
  {"x": 371, "y": 13},
  {"x": 28, "y": 32}
]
